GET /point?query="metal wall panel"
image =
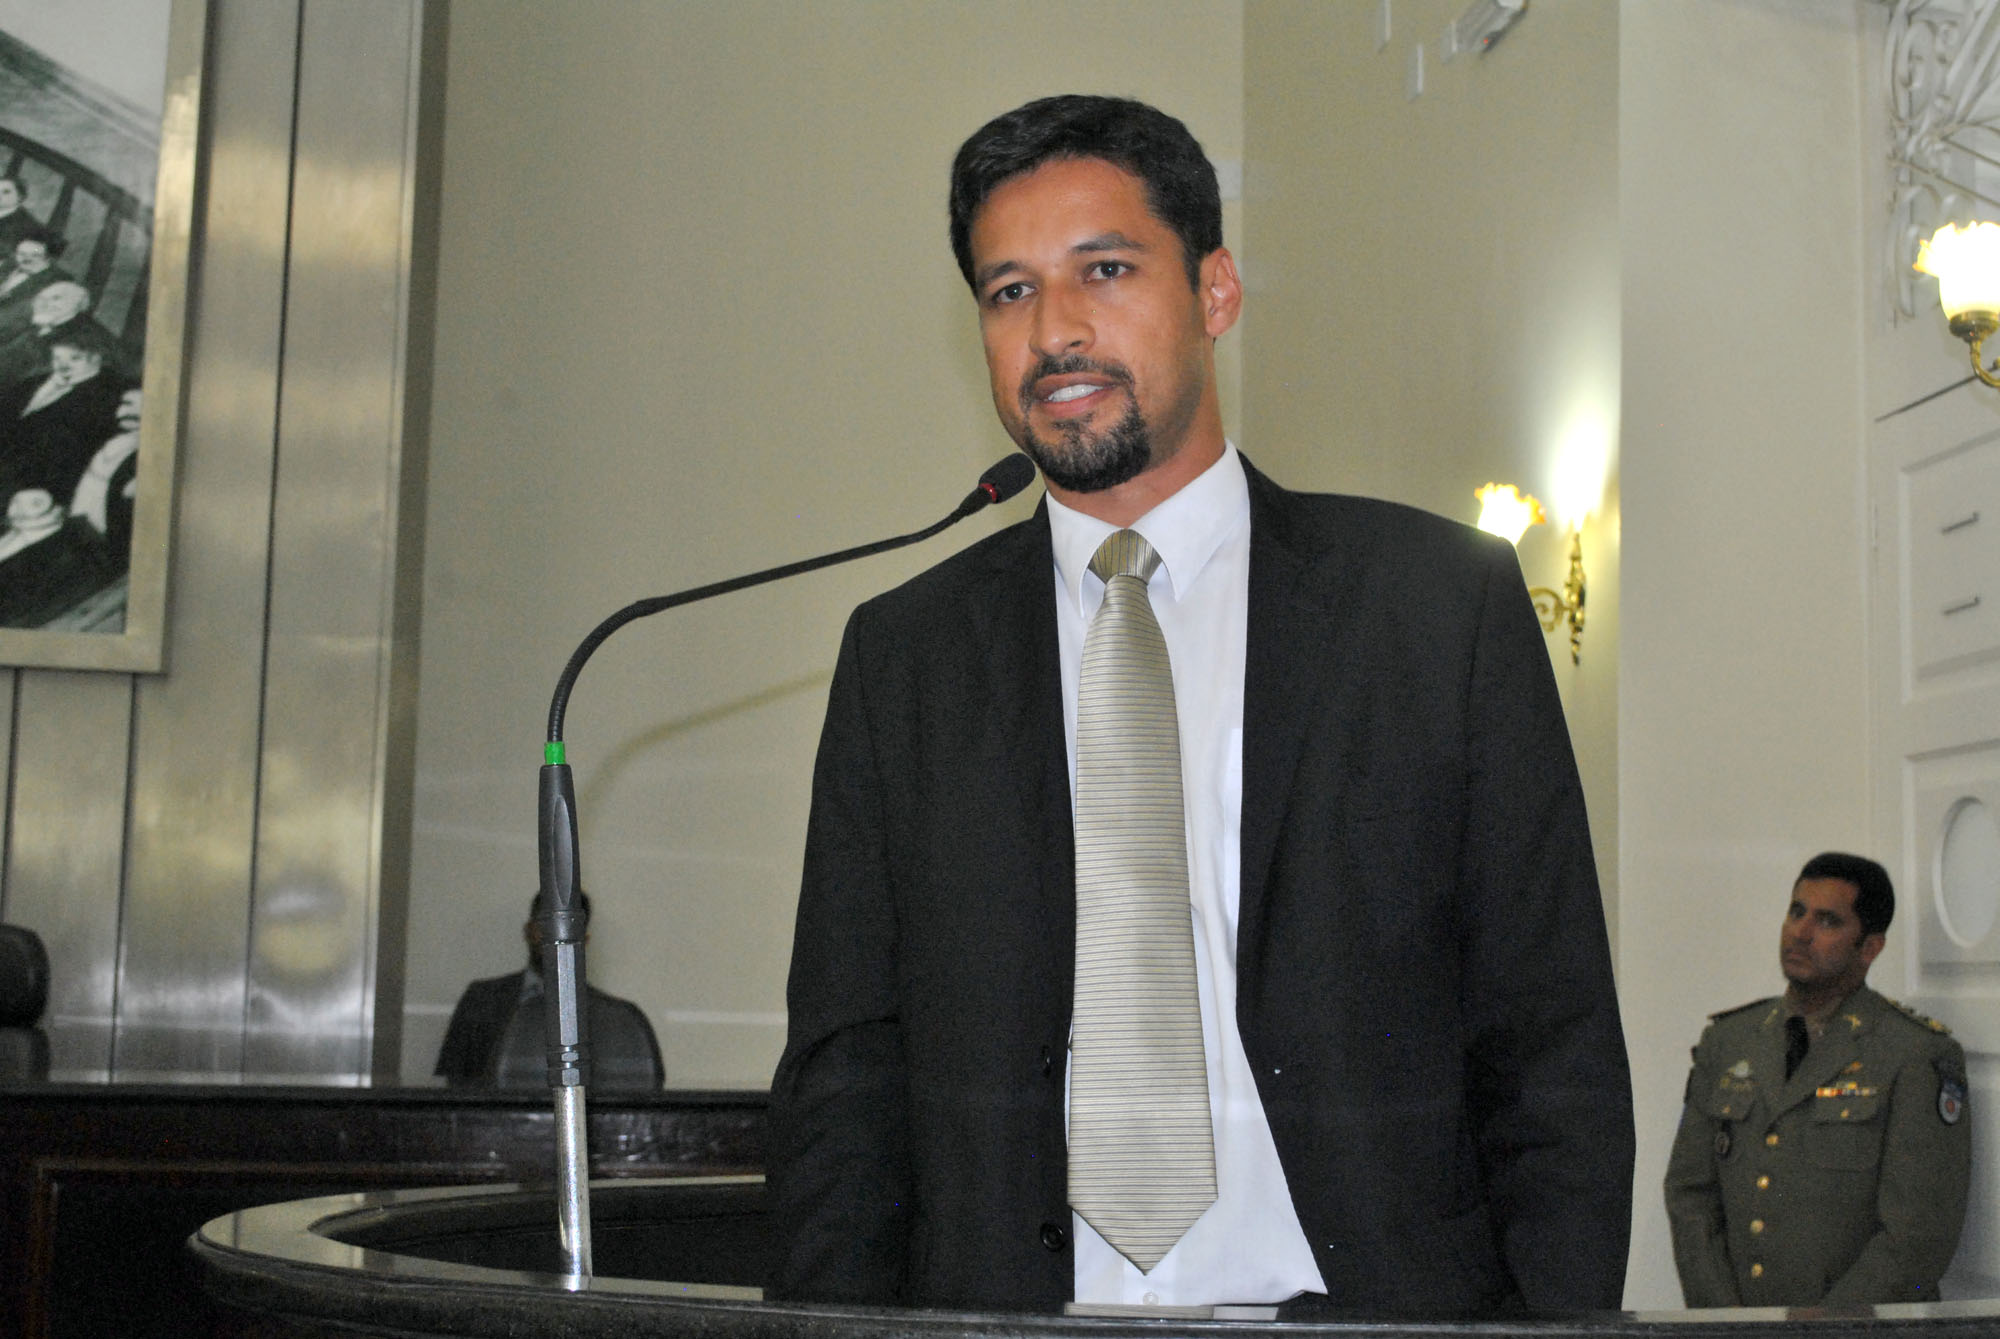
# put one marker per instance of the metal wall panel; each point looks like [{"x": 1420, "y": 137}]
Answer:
[
  {"x": 194, "y": 791},
  {"x": 326, "y": 776},
  {"x": 203, "y": 850},
  {"x": 66, "y": 845}
]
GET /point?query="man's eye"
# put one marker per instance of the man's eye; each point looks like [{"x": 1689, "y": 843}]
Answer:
[
  {"x": 1010, "y": 293},
  {"x": 1108, "y": 269}
]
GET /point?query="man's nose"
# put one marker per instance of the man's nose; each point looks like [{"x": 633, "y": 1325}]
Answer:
[{"x": 1062, "y": 322}]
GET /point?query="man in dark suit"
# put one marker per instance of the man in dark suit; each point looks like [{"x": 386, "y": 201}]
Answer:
[
  {"x": 1415, "y": 1074},
  {"x": 33, "y": 269},
  {"x": 15, "y": 220},
  {"x": 494, "y": 1039},
  {"x": 51, "y": 425}
]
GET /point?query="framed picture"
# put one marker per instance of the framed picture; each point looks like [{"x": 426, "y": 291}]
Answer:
[{"x": 100, "y": 105}]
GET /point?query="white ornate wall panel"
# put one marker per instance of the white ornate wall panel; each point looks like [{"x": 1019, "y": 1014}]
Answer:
[
  {"x": 1939, "y": 66},
  {"x": 1933, "y": 496}
]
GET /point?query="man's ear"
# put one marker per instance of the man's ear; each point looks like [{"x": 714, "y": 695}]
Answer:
[
  {"x": 1221, "y": 292},
  {"x": 1871, "y": 945}
]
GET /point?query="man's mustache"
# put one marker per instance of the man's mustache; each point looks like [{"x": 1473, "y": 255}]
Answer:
[{"x": 1069, "y": 365}]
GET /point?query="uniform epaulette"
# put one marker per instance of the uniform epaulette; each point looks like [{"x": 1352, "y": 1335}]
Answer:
[
  {"x": 1740, "y": 1009},
  {"x": 1916, "y": 1017}
]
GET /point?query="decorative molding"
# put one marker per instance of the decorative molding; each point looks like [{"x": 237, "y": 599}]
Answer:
[{"x": 1942, "y": 76}]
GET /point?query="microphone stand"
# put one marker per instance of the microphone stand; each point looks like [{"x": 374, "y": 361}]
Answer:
[{"x": 563, "y": 919}]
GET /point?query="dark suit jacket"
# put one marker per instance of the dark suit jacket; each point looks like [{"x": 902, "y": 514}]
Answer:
[
  {"x": 625, "y": 1054},
  {"x": 52, "y": 447},
  {"x": 1424, "y": 986},
  {"x": 17, "y": 304},
  {"x": 53, "y": 576}
]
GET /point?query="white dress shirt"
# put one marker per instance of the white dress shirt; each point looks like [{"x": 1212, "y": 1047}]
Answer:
[{"x": 1248, "y": 1247}]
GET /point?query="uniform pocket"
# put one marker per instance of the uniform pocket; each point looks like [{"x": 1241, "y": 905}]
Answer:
[
  {"x": 1728, "y": 1101},
  {"x": 1847, "y": 1131}
]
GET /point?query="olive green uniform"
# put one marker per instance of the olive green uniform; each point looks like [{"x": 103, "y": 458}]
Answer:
[{"x": 1845, "y": 1183}]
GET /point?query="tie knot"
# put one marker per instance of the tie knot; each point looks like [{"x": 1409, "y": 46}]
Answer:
[{"x": 1125, "y": 553}]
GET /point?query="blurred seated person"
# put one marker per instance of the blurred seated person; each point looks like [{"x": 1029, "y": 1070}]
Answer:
[
  {"x": 48, "y": 563},
  {"x": 32, "y": 268},
  {"x": 15, "y": 220},
  {"x": 495, "y": 1037},
  {"x": 55, "y": 309},
  {"x": 110, "y": 484},
  {"x": 24, "y": 993},
  {"x": 50, "y": 427}
]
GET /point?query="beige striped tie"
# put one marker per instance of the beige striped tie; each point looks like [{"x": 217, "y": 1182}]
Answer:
[{"x": 1141, "y": 1150}]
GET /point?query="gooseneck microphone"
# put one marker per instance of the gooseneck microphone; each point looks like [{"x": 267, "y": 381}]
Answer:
[{"x": 562, "y": 917}]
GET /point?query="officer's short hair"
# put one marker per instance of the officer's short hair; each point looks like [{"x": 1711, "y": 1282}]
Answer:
[{"x": 1874, "y": 895}]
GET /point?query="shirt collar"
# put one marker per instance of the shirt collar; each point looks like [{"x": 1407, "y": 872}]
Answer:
[
  {"x": 1185, "y": 530},
  {"x": 1817, "y": 1020}
]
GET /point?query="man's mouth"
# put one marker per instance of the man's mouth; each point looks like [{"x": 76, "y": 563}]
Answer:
[
  {"x": 1076, "y": 392},
  {"x": 1065, "y": 386}
]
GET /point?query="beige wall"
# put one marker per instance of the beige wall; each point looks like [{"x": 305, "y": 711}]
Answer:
[
  {"x": 696, "y": 316},
  {"x": 1743, "y": 692},
  {"x": 1644, "y": 218},
  {"x": 1433, "y": 289}
]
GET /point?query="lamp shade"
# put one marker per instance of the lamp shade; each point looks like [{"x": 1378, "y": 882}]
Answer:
[
  {"x": 1966, "y": 262},
  {"x": 1503, "y": 511}
]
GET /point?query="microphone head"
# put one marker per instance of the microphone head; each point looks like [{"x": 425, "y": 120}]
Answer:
[{"x": 1007, "y": 477}]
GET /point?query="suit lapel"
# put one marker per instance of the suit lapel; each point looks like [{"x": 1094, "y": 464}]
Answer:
[
  {"x": 1012, "y": 620},
  {"x": 1295, "y": 617}
]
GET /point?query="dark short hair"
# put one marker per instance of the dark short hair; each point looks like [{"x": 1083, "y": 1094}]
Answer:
[
  {"x": 50, "y": 243},
  {"x": 82, "y": 334},
  {"x": 535, "y": 903},
  {"x": 1874, "y": 895},
  {"x": 1180, "y": 181}
]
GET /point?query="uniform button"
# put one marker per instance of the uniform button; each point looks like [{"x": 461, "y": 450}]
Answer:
[
  {"x": 1763, "y": 1183},
  {"x": 1756, "y": 1226},
  {"x": 1771, "y": 1139},
  {"x": 1756, "y": 1271},
  {"x": 1048, "y": 1061},
  {"x": 1054, "y": 1237}
]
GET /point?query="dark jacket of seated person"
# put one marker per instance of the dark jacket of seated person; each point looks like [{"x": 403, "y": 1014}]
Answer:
[{"x": 495, "y": 1038}]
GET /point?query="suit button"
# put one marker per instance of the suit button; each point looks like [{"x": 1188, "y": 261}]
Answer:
[
  {"x": 1048, "y": 1062},
  {"x": 1763, "y": 1183},
  {"x": 1756, "y": 1271},
  {"x": 1756, "y": 1226},
  {"x": 1054, "y": 1237}
]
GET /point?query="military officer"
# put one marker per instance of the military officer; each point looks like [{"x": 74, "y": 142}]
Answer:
[{"x": 1824, "y": 1150}]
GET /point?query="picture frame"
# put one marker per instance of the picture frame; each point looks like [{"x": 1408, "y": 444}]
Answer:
[{"x": 75, "y": 146}]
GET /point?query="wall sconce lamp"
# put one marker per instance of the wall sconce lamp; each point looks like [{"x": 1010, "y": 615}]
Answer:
[
  {"x": 1966, "y": 263},
  {"x": 1504, "y": 511}
]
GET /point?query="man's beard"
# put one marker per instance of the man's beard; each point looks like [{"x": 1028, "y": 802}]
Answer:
[{"x": 1079, "y": 460}]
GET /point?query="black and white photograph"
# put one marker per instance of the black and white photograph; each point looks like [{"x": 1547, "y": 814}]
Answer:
[{"x": 84, "y": 348}]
